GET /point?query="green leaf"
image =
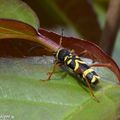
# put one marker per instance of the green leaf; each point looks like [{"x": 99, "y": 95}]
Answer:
[
  {"x": 24, "y": 95},
  {"x": 16, "y": 9}
]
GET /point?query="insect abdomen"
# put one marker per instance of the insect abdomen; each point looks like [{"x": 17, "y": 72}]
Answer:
[{"x": 91, "y": 76}]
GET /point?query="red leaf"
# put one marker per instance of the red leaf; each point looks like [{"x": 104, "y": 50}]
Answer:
[
  {"x": 9, "y": 29},
  {"x": 16, "y": 38},
  {"x": 14, "y": 26}
]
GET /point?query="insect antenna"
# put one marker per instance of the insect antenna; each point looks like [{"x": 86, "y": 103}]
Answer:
[{"x": 61, "y": 38}]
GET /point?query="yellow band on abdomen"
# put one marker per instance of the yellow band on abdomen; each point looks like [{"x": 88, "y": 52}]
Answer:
[{"x": 87, "y": 72}]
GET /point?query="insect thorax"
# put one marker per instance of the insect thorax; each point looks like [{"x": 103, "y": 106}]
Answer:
[{"x": 62, "y": 53}]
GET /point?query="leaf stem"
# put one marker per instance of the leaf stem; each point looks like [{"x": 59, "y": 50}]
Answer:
[{"x": 49, "y": 44}]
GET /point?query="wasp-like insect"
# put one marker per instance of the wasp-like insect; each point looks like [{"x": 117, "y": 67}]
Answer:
[
  {"x": 80, "y": 67},
  {"x": 71, "y": 60}
]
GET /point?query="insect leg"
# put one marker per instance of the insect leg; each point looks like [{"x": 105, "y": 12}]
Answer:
[
  {"x": 83, "y": 53},
  {"x": 86, "y": 53},
  {"x": 53, "y": 70},
  {"x": 101, "y": 65},
  {"x": 56, "y": 63},
  {"x": 91, "y": 92}
]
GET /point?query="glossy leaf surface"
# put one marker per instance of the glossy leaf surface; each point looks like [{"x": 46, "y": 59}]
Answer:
[{"x": 24, "y": 96}]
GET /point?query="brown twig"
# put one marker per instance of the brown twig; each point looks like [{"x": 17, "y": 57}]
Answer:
[{"x": 111, "y": 27}]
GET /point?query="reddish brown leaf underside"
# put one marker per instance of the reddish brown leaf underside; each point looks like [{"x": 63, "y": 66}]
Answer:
[
  {"x": 10, "y": 26},
  {"x": 15, "y": 47},
  {"x": 16, "y": 38},
  {"x": 19, "y": 48}
]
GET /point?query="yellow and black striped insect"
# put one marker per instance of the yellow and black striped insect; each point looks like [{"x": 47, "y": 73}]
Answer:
[
  {"x": 80, "y": 67},
  {"x": 73, "y": 61}
]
